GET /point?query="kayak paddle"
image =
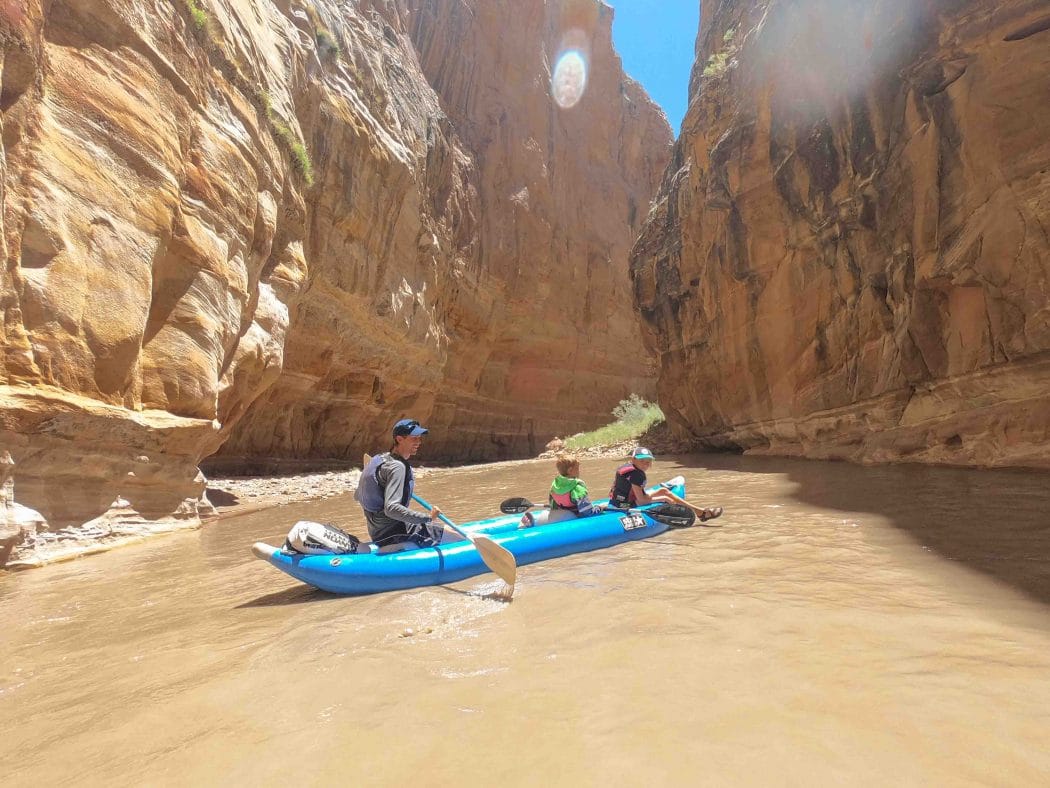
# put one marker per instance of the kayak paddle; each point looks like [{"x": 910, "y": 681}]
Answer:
[
  {"x": 516, "y": 505},
  {"x": 496, "y": 557}
]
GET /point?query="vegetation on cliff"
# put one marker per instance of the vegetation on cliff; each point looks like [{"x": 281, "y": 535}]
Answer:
[{"x": 634, "y": 416}]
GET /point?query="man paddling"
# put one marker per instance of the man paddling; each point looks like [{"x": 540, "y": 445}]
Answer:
[
  {"x": 386, "y": 488},
  {"x": 629, "y": 488}
]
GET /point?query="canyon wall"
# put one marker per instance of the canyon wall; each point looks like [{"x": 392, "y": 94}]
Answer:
[
  {"x": 518, "y": 287},
  {"x": 256, "y": 227},
  {"x": 850, "y": 252},
  {"x": 562, "y": 196}
]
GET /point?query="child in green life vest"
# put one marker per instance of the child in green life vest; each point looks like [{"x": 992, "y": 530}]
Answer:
[{"x": 568, "y": 491}]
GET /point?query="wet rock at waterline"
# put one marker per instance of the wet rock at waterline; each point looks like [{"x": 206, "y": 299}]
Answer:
[{"x": 849, "y": 256}]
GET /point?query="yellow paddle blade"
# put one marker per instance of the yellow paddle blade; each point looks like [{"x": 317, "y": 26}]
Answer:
[{"x": 497, "y": 558}]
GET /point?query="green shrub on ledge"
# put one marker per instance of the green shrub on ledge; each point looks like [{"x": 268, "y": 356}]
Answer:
[
  {"x": 296, "y": 148},
  {"x": 633, "y": 415},
  {"x": 197, "y": 14}
]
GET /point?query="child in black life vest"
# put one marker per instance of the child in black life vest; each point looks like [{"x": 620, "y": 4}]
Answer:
[{"x": 629, "y": 488}]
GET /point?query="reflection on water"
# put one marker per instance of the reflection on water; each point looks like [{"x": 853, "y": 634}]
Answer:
[{"x": 846, "y": 624}]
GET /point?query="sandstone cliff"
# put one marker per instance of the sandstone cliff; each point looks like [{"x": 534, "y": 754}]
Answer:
[
  {"x": 517, "y": 285},
  {"x": 257, "y": 224},
  {"x": 849, "y": 255}
]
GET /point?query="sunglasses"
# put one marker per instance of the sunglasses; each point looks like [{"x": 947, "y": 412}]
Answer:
[{"x": 406, "y": 428}]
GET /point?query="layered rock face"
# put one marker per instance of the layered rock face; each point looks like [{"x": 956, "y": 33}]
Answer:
[
  {"x": 256, "y": 224},
  {"x": 849, "y": 255},
  {"x": 499, "y": 316},
  {"x": 562, "y": 194}
]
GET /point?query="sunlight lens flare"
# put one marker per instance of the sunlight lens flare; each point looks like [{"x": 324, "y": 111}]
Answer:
[{"x": 569, "y": 80}]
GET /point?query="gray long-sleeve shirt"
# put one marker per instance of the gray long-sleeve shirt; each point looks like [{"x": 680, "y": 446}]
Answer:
[{"x": 392, "y": 475}]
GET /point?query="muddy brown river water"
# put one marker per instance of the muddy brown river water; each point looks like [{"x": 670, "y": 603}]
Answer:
[{"x": 847, "y": 625}]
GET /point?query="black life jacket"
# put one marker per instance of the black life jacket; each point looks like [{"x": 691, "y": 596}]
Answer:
[
  {"x": 371, "y": 493},
  {"x": 622, "y": 492}
]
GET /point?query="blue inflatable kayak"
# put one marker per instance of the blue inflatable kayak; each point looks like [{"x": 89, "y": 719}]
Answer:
[{"x": 372, "y": 572}]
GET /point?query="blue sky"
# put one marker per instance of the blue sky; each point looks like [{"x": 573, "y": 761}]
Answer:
[{"x": 655, "y": 39}]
